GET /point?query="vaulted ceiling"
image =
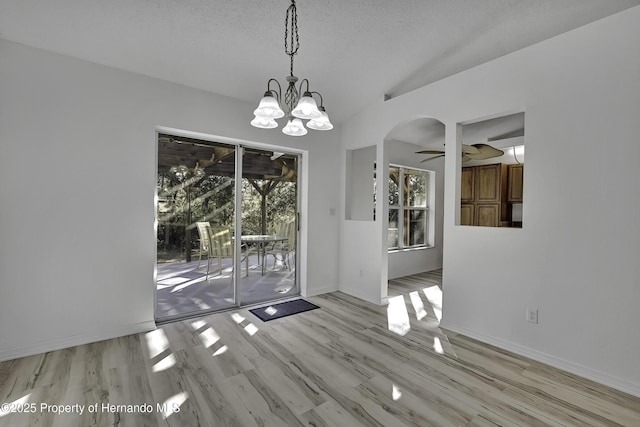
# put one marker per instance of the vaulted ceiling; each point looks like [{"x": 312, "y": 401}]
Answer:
[{"x": 352, "y": 51}]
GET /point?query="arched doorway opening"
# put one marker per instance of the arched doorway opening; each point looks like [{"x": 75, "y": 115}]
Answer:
[{"x": 413, "y": 179}]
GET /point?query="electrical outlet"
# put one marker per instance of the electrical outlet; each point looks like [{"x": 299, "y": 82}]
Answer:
[
  {"x": 362, "y": 274},
  {"x": 532, "y": 315}
]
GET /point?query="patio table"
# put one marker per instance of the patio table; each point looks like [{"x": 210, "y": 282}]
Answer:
[{"x": 261, "y": 240}]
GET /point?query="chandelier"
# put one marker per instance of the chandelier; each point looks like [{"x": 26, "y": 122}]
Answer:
[
  {"x": 182, "y": 172},
  {"x": 297, "y": 108}
]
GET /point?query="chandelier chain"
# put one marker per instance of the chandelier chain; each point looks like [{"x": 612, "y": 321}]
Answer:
[{"x": 291, "y": 38}]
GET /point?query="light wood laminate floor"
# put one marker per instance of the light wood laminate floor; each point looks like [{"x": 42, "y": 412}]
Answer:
[{"x": 347, "y": 364}]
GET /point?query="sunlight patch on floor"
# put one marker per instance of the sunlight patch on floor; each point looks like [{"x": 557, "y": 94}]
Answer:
[
  {"x": 434, "y": 296},
  {"x": 225, "y": 273},
  {"x": 397, "y": 316},
  {"x": 418, "y": 305},
  {"x": 237, "y": 317},
  {"x": 198, "y": 324},
  {"x": 157, "y": 342},
  {"x": 249, "y": 328},
  {"x": 172, "y": 281},
  {"x": 187, "y": 284},
  {"x": 158, "y": 346},
  {"x": 208, "y": 337},
  {"x": 172, "y": 405},
  {"x": 221, "y": 350},
  {"x": 164, "y": 364},
  {"x": 437, "y": 345},
  {"x": 10, "y": 407}
]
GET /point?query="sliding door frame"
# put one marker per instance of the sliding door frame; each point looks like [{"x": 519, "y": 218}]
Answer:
[
  {"x": 237, "y": 226},
  {"x": 302, "y": 199}
]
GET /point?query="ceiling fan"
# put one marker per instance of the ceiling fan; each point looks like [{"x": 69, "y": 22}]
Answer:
[{"x": 469, "y": 152}]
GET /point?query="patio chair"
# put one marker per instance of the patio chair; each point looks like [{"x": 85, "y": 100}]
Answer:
[
  {"x": 281, "y": 251},
  {"x": 280, "y": 229},
  {"x": 203, "y": 235},
  {"x": 222, "y": 247},
  {"x": 292, "y": 233}
]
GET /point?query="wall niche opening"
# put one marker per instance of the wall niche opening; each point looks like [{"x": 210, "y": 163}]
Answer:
[
  {"x": 492, "y": 175},
  {"x": 360, "y": 183}
]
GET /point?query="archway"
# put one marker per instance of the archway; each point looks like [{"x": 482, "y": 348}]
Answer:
[{"x": 412, "y": 213}]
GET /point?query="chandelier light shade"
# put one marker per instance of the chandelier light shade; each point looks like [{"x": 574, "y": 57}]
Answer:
[
  {"x": 306, "y": 108},
  {"x": 294, "y": 127},
  {"x": 264, "y": 122},
  {"x": 296, "y": 108},
  {"x": 269, "y": 107},
  {"x": 182, "y": 172},
  {"x": 322, "y": 123}
]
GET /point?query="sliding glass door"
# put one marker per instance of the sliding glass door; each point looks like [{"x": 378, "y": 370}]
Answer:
[
  {"x": 196, "y": 201},
  {"x": 269, "y": 225},
  {"x": 208, "y": 195}
]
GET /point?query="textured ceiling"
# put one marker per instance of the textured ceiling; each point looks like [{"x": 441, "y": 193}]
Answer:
[{"x": 352, "y": 51}]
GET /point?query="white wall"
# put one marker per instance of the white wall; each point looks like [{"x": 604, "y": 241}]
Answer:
[
  {"x": 361, "y": 243},
  {"x": 576, "y": 259},
  {"x": 77, "y": 182}
]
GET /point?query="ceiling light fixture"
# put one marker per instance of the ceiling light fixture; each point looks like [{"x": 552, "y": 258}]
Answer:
[
  {"x": 298, "y": 108},
  {"x": 182, "y": 172}
]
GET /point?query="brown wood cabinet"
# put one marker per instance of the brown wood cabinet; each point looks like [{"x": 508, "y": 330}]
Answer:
[
  {"x": 515, "y": 180},
  {"x": 488, "y": 215},
  {"x": 466, "y": 214},
  {"x": 483, "y": 196},
  {"x": 467, "y": 185}
]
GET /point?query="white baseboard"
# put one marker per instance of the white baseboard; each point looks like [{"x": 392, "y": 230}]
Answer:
[
  {"x": 363, "y": 295},
  {"x": 603, "y": 378},
  {"x": 72, "y": 341},
  {"x": 320, "y": 291}
]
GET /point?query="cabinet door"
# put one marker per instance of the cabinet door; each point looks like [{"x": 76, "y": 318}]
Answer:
[
  {"x": 516, "y": 173},
  {"x": 488, "y": 183},
  {"x": 467, "y": 184},
  {"x": 488, "y": 215},
  {"x": 466, "y": 214}
]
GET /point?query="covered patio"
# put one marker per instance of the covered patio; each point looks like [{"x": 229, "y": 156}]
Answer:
[{"x": 183, "y": 288}]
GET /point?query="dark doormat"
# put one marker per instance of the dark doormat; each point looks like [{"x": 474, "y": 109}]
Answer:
[{"x": 283, "y": 309}]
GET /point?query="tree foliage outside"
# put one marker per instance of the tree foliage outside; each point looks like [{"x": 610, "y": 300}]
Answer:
[
  {"x": 408, "y": 197},
  {"x": 281, "y": 206},
  {"x": 182, "y": 203}
]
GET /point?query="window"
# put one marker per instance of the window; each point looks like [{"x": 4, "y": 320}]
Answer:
[{"x": 408, "y": 207}]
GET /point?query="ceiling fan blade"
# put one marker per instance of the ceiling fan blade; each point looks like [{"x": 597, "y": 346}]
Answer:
[
  {"x": 431, "y": 158},
  {"x": 430, "y": 152},
  {"x": 485, "y": 152},
  {"x": 470, "y": 149}
]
